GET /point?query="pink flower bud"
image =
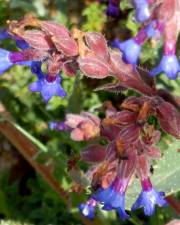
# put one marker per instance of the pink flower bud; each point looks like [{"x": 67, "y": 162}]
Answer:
[
  {"x": 77, "y": 135},
  {"x": 83, "y": 127}
]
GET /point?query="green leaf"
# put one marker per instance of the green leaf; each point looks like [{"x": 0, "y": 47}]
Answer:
[
  {"x": 166, "y": 176},
  {"x": 31, "y": 138}
]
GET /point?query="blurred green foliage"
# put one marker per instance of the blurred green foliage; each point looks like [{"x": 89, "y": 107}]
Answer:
[
  {"x": 94, "y": 17},
  {"x": 42, "y": 205}
]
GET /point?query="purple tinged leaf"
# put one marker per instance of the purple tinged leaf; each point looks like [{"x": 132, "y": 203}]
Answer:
[
  {"x": 128, "y": 75},
  {"x": 66, "y": 45},
  {"x": 97, "y": 43},
  {"x": 117, "y": 67},
  {"x": 93, "y": 67},
  {"x": 93, "y": 154},
  {"x": 153, "y": 152},
  {"x": 110, "y": 131},
  {"x": 70, "y": 68},
  {"x": 125, "y": 117},
  {"x": 168, "y": 97},
  {"x": 37, "y": 39},
  {"x": 111, "y": 87},
  {"x": 129, "y": 134},
  {"x": 169, "y": 118},
  {"x": 54, "y": 29}
]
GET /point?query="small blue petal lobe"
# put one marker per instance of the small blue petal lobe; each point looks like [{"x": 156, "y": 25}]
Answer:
[
  {"x": 169, "y": 65},
  {"x": 4, "y": 34},
  {"x": 88, "y": 209},
  {"x": 22, "y": 44},
  {"x": 131, "y": 51},
  {"x": 142, "y": 10},
  {"x": 5, "y": 62},
  {"x": 111, "y": 199},
  {"x": 148, "y": 200}
]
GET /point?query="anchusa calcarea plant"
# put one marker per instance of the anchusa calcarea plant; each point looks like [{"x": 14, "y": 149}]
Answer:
[{"x": 129, "y": 139}]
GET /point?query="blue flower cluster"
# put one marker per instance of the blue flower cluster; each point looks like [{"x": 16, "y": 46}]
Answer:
[
  {"x": 113, "y": 198},
  {"x": 48, "y": 86},
  {"x": 131, "y": 50}
]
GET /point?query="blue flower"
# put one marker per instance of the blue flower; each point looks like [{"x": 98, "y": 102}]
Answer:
[
  {"x": 148, "y": 200},
  {"x": 20, "y": 43},
  {"x": 57, "y": 126},
  {"x": 36, "y": 69},
  {"x": 112, "y": 10},
  {"x": 130, "y": 48},
  {"x": 169, "y": 65},
  {"x": 112, "y": 199},
  {"x": 24, "y": 63},
  {"x": 142, "y": 10},
  {"x": 87, "y": 210},
  {"x": 5, "y": 62},
  {"x": 48, "y": 87},
  {"x": 151, "y": 29},
  {"x": 4, "y": 34}
]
